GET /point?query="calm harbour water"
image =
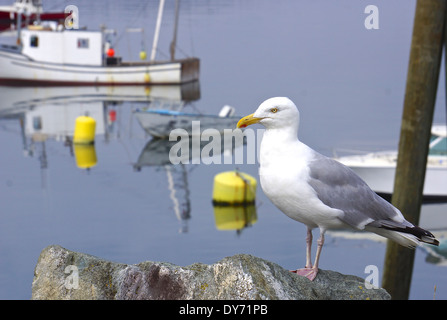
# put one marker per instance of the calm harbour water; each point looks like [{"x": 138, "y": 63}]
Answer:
[{"x": 348, "y": 82}]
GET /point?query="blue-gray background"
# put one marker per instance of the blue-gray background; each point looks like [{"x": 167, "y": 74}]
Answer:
[{"x": 348, "y": 82}]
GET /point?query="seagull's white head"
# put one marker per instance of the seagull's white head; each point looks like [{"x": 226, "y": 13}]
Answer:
[{"x": 278, "y": 112}]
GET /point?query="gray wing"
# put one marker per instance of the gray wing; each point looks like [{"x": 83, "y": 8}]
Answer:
[{"x": 339, "y": 187}]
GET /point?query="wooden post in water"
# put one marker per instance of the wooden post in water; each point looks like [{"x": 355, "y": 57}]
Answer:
[
  {"x": 445, "y": 60},
  {"x": 420, "y": 95}
]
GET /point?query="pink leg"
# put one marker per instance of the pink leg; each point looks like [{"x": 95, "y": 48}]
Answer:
[
  {"x": 308, "y": 267},
  {"x": 320, "y": 244},
  {"x": 310, "y": 272},
  {"x": 308, "y": 248}
]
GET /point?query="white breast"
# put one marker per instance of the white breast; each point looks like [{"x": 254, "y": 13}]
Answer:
[{"x": 284, "y": 174}]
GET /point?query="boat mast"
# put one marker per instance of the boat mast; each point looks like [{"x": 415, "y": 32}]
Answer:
[
  {"x": 19, "y": 27},
  {"x": 174, "y": 39},
  {"x": 157, "y": 30},
  {"x": 39, "y": 10}
]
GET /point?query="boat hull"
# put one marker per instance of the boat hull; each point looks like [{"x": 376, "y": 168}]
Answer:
[
  {"x": 160, "y": 123},
  {"x": 381, "y": 180},
  {"x": 17, "y": 69}
]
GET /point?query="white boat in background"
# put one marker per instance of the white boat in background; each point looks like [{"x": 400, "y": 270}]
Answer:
[
  {"x": 50, "y": 54},
  {"x": 160, "y": 120},
  {"x": 378, "y": 169}
]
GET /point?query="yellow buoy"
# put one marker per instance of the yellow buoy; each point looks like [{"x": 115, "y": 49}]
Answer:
[
  {"x": 85, "y": 155},
  {"x": 143, "y": 55},
  {"x": 234, "y": 188},
  {"x": 234, "y": 217},
  {"x": 84, "y": 131},
  {"x": 147, "y": 78}
]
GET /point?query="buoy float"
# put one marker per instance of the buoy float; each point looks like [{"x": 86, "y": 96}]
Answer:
[
  {"x": 110, "y": 52},
  {"x": 234, "y": 217},
  {"x": 85, "y": 155},
  {"x": 84, "y": 132},
  {"x": 234, "y": 188}
]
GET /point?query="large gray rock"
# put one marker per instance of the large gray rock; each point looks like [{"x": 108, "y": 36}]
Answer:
[{"x": 64, "y": 274}]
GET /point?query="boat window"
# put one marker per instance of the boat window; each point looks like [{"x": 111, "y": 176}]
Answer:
[
  {"x": 83, "y": 43},
  {"x": 34, "y": 41},
  {"x": 438, "y": 145}
]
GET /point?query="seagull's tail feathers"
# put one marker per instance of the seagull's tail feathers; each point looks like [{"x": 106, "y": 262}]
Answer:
[{"x": 406, "y": 235}]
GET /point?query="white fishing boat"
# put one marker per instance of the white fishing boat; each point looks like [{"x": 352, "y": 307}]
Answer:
[
  {"x": 159, "y": 121},
  {"x": 51, "y": 54},
  {"x": 378, "y": 169}
]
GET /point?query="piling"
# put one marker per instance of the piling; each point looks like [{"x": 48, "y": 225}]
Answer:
[{"x": 420, "y": 95}]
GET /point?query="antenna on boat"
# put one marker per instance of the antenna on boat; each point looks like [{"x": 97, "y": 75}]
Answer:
[
  {"x": 157, "y": 30},
  {"x": 174, "y": 39}
]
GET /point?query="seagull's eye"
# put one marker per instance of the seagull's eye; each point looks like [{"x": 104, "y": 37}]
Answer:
[{"x": 274, "y": 110}]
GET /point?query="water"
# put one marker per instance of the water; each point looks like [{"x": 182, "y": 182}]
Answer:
[{"x": 348, "y": 81}]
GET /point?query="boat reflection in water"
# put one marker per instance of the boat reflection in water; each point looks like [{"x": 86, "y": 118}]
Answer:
[
  {"x": 50, "y": 113},
  {"x": 46, "y": 113}
]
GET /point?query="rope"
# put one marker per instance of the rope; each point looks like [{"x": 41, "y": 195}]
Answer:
[{"x": 247, "y": 186}]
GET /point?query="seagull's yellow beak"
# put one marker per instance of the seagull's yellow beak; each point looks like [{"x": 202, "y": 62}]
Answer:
[{"x": 248, "y": 120}]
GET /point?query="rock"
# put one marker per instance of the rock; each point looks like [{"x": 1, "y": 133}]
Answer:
[{"x": 63, "y": 274}]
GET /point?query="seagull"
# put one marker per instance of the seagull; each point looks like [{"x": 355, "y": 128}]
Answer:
[{"x": 318, "y": 191}]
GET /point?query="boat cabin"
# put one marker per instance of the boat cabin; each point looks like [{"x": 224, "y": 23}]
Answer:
[{"x": 78, "y": 47}]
